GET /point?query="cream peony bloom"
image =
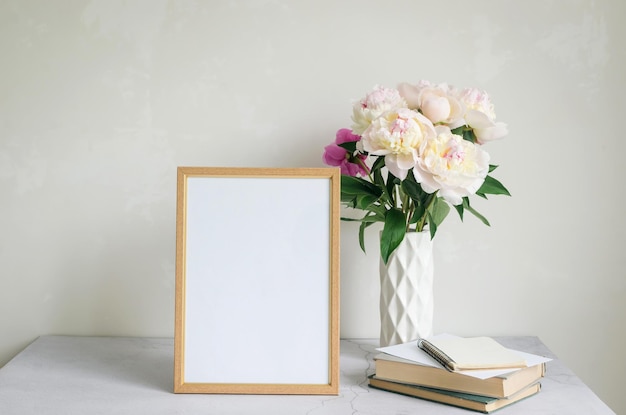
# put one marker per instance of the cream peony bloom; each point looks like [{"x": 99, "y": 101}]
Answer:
[
  {"x": 375, "y": 103},
  {"x": 455, "y": 167},
  {"x": 400, "y": 136},
  {"x": 411, "y": 93},
  {"x": 481, "y": 117},
  {"x": 439, "y": 103}
]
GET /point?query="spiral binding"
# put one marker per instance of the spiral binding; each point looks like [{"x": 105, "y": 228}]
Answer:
[{"x": 434, "y": 352}]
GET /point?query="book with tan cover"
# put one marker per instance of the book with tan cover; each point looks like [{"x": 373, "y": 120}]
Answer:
[
  {"x": 400, "y": 370},
  {"x": 463, "y": 400}
]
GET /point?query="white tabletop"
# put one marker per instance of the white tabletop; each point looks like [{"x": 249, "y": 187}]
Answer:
[{"x": 117, "y": 375}]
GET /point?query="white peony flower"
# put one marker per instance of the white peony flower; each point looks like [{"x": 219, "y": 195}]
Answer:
[
  {"x": 485, "y": 128},
  {"x": 439, "y": 103},
  {"x": 481, "y": 117},
  {"x": 455, "y": 167},
  {"x": 375, "y": 103},
  {"x": 411, "y": 93},
  {"x": 400, "y": 136}
]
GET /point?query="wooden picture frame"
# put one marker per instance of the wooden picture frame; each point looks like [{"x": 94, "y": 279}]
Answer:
[{"x": 257, "y": 281}]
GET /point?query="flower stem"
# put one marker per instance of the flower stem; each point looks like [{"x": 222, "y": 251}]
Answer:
[
  {"x": 429, "y": 202},
  {"x": 367, "y": 169},
  {"x": 410, "y": 215},
  {"x": 398, "y": 195}
]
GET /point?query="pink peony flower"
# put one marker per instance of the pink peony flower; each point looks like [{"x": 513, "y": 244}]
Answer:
[
  {"x": 345, "y": 135},
  {"x": 334, "y": 155}
]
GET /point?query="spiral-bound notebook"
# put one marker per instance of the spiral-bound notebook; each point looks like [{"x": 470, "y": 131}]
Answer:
[{"x": 471, "y": 353}]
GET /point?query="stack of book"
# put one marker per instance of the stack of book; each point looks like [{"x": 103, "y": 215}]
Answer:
[{"x": 484, "y": 388}]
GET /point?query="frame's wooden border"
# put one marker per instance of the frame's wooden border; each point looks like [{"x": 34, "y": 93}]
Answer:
[{"x": 180, "y": 385}]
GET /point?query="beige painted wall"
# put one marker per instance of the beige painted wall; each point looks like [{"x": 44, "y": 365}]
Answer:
[{"x": 101, "y": 100}]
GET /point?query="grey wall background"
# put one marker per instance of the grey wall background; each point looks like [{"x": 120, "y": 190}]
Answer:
[{"x": 101, "y": 100}]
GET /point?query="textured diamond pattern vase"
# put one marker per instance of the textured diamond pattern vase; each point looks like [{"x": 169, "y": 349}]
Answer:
[{"x": 406, "y": 291}]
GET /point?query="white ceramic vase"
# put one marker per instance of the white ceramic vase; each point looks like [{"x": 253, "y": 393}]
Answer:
[{"x": 406, "y": 291}]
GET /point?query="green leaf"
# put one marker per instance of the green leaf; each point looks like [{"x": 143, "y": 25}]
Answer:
[
  {"x": 466, "y": 132},
  {"x": 493, "y": 187},
  {"x": 413, "y": 189},
  {"x": 393, "y": 232},
  {"x": 432, "y": 226},
  {"x": 378, "y": 210},
  {"x": 422, "y": 196},
  {"x": 458, "y": 130},
  {"x": 438, "y": 212},
  {"x": 378, "y": 179},
  {"x": 378, "y": 164},
  {"x": 369, "y": 218},
  {"x": 391, "y": 179},
  {"x": 351, "y": 203},
  {"x": 365, "y": 201},
  {"x": 469, "y": 135},
  {"x": 350, "y": 146},
  {"x": 362, "y": 228},
  {"x": 492, "y": 167},
  {"x": 467, "y": 206},
  {"x": 366, "y": 221},
  {"x": 418, "y": 213},
  {"x": 460, "y": 210},
  {"x": 351, "y": 185},
  {"x": 348, "y": 200}
]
